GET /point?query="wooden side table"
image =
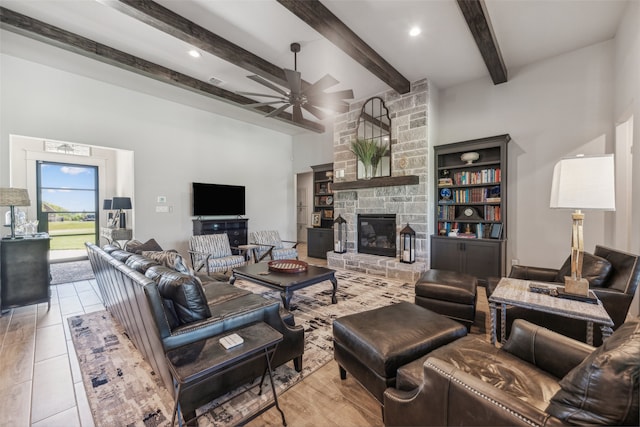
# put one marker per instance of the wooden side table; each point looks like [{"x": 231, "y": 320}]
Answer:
[
  {"x": 113, "y": 235},
  {"x": 247, "y": 250},
  {"x": 516, "y": 292},
  {"x": 205, "y": 359}
]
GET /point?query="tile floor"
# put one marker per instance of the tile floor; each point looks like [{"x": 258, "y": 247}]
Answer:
[{"x": 40, "y": 383}]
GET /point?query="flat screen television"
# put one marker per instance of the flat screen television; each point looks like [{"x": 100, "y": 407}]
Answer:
[{"x": 217, "y": 199}]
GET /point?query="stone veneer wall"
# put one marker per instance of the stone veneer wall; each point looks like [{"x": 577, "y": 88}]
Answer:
[{"x": 409, "y": 156}]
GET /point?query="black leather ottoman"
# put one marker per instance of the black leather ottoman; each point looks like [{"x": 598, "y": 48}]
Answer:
[
  {"x": 449, "y": 293},
  {"x": 373, "y": 344}
]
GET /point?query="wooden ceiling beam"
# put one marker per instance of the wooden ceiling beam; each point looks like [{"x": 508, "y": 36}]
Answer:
[
  {"x": 318, "y": 17},
  {"x": 41, "y": 31},
  {"x": 475, "y": 13},
  {"x": 167, "y": 21}
]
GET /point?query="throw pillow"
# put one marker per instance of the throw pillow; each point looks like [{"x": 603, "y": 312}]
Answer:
[
  {"x": 137, "y": 248},
  {"x": 594, "y": 268},
  {"x": 603, "y": 389},
  {"x": 170, "y": 258},
  {"x": 189, "y": 301},
  {"x": 131, "y": 245}
]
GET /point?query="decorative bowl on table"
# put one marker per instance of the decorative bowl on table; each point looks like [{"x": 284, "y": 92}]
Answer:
[
  {"x": 470, "y": 157},
  {"x": 288, "y": 266}
]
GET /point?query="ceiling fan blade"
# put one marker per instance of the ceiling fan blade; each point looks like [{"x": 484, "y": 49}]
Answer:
[
  {"x": 315, "y": 111},
  {"x": 294, "y": 80},
  {"x": 261, "y": 94},
  {"x": 278, "y": 111},
  {"x": 297, "y": 113},
  {"x": 268, "y": 84},
  {"x": 262, "y": 104},
  {"x": 325, "y": 82}
]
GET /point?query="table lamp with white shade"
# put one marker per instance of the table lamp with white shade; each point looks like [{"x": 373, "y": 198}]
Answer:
[{"x": 582, "y": 182}]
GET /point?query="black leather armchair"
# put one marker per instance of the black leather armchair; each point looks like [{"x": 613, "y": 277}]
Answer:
[
  {"x": 538, "y": 378},
  {"x": 615, "y": 289}
]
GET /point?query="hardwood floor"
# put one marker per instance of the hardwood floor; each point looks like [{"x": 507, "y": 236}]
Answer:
[{"x": 40, "y": 383}]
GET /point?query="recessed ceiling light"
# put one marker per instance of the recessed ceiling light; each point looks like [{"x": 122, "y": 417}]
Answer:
[
  {"x": 194, "y": 53},
  {"x": 414, "y": 31}
]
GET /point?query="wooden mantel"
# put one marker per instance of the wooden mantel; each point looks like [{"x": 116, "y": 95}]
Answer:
[{"x": 383, "y": 181}]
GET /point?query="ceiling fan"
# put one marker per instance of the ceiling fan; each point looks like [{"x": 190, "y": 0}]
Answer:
[{"x": 313, "y": 98}]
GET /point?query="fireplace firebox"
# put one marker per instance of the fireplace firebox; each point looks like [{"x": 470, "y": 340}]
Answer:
[{"x": 377, "y": 234}]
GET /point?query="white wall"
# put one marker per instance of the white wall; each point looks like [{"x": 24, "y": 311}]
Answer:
[
  {"x": 173, "y": 145},
  {"x": 551, "y": 109},
  {"x": 627, "y": 103},
  {"x": 312, "y": 149}
]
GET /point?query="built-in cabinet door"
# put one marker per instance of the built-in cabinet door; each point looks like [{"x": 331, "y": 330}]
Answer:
[
  {"x": 445, "y": 255},
  {"x": 480, "y": 258}
]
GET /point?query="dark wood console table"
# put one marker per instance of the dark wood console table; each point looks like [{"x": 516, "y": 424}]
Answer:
[
  {"x": 24, "y": 272},
  {"x": 205, "y": 359}
]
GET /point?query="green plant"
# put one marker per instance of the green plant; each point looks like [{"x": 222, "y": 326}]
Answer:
[
  {"x": 369, "y": 152},
  {"x": 365, "y": 150},
  {"x": 381, "y": 151}
]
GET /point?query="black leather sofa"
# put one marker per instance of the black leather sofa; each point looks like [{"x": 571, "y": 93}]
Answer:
[
  {"x": 538, "y": 378},
  {"x": 613, "y": 276},
  {"x": 163, "y": 307}
]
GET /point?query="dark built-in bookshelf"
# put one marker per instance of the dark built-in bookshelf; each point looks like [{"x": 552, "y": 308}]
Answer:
[
  {"x": 320, "y": 235},
  {"x": 471, "y": 197}
]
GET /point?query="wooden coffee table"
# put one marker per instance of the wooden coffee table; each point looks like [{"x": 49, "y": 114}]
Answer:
[{"x": 286, "y": 283}]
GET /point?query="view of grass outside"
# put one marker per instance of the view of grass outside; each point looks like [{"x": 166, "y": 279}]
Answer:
[
  {"x": 68, "y": 200},
  {"x": 71, "y": 234}
]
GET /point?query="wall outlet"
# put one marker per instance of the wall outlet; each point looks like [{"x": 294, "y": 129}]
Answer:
[{"x": 515, "y": 261}]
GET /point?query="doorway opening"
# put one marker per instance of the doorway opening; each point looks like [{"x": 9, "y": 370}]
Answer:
[{"x": 67, "y": 206}]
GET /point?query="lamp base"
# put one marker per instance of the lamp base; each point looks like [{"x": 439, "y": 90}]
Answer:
[{"x": 576, "y": 287}]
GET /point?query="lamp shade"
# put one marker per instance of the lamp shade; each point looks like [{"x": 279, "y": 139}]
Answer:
[
  {"x": 121, "y": 203},
  {"x": 106, "y": 204},
  {"x": 14, "y": 197},
  {"x": 584, "y": 182}
]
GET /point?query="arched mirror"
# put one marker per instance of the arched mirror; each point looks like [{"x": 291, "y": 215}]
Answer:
[{"x": 373, "y": 144}]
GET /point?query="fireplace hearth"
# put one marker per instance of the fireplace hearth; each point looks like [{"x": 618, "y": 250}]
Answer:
[{"x": 377, "y": 234}]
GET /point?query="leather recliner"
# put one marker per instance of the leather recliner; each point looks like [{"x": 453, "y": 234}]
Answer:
[
  {"x": 538, "y": 378},
  {"x": 614, "y": 284}
]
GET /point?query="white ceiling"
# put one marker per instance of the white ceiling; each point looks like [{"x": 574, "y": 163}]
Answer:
[{"x": 445, "y": 52}]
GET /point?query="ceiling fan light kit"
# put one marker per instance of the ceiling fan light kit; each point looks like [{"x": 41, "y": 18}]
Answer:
[{"x": 312, "y": 99}]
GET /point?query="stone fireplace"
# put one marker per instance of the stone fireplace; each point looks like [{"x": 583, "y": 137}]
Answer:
[
  {"x": 403, "y": 195},
  {"x": 377, "y": 234}
]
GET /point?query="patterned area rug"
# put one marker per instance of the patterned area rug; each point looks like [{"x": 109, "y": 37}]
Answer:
[{"x": 123, "y": 390}]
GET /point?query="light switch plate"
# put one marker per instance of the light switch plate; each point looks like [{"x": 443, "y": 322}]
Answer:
[{"x": 162, "y": 209}]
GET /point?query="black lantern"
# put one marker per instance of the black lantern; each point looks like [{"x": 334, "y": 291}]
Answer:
[
  {"x": 407, "y": 245},
  {"x": 340, "y": 245}
]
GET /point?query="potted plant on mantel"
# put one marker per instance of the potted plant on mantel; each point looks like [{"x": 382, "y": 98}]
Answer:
[{"x": 369, "y": 153}]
